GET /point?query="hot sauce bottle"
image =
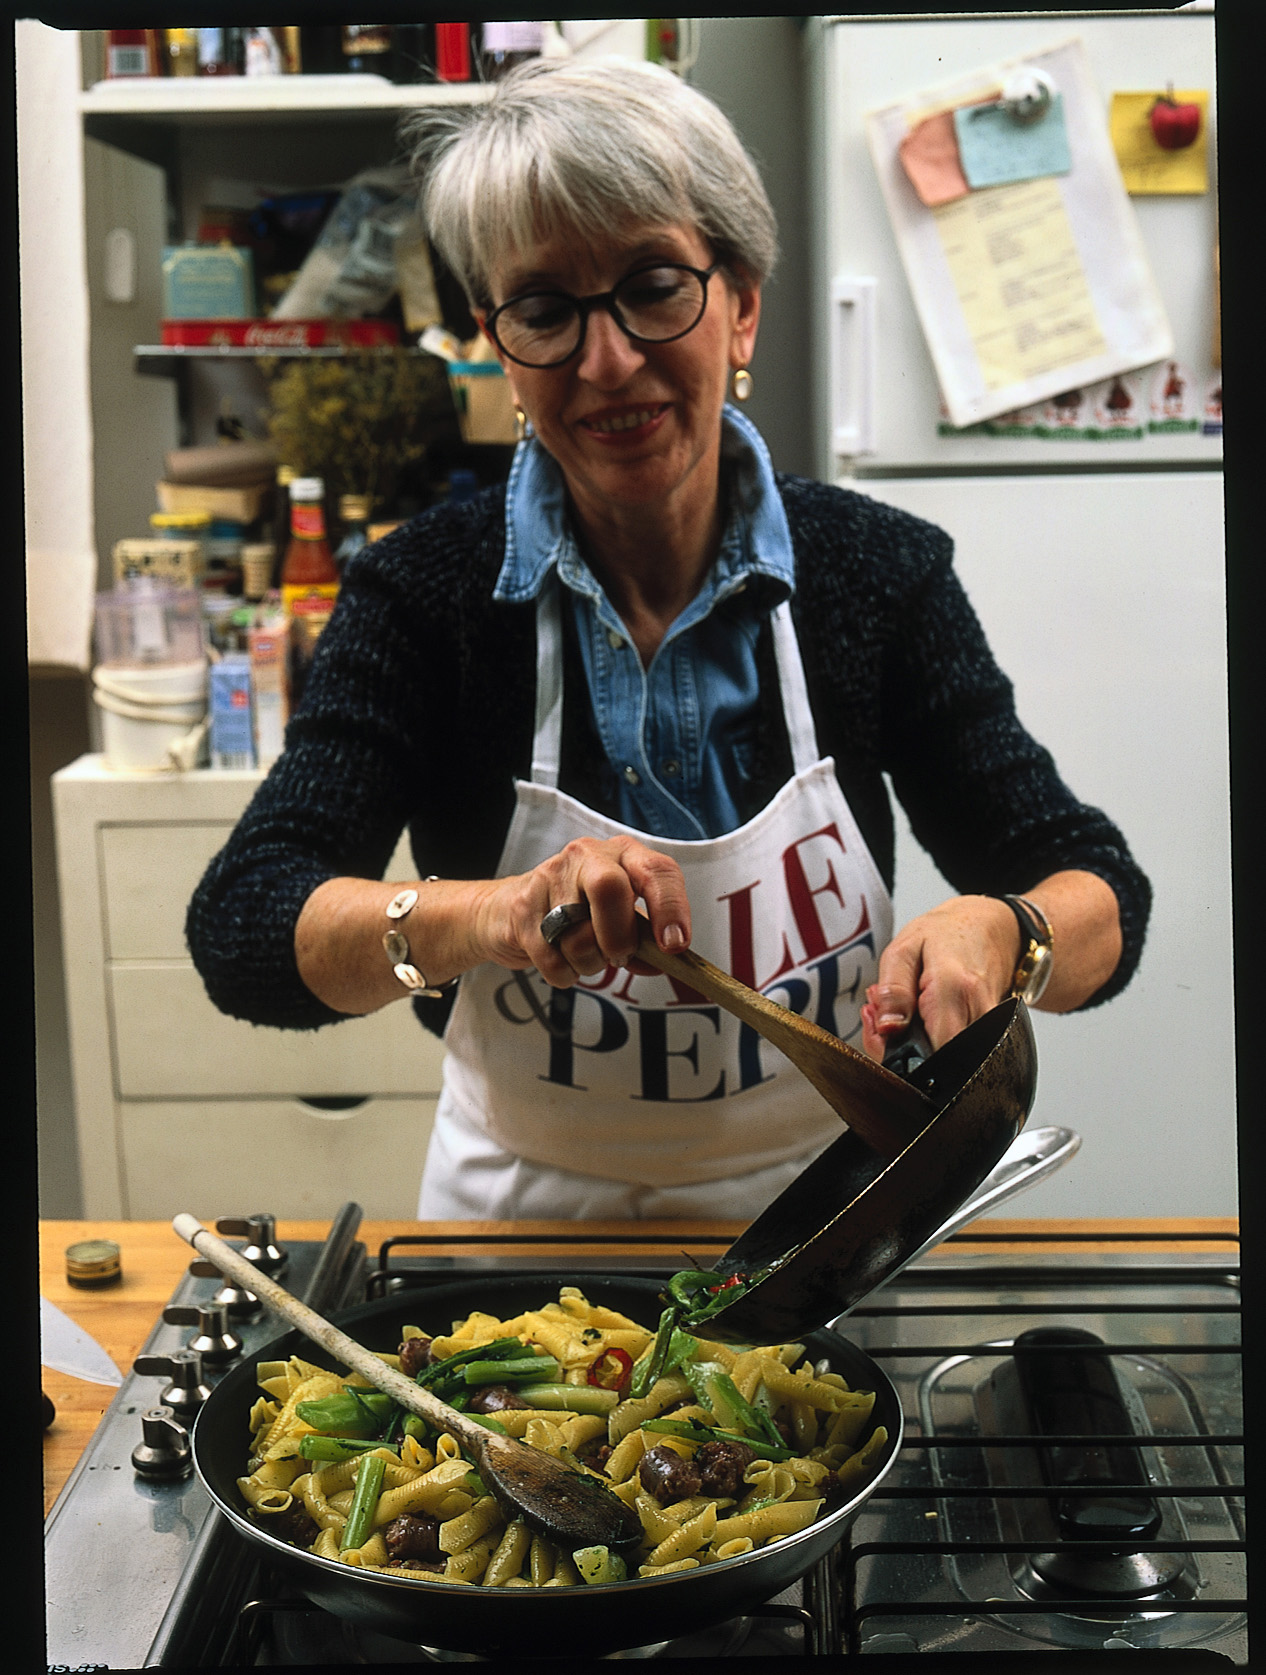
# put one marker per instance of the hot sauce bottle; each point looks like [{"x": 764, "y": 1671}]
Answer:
[
  {"x": 308, "y": 570},
  {"x": 309, "y": 580}
]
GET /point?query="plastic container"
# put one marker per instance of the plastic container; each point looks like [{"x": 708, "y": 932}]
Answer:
[{"x": 150, "y": 682}]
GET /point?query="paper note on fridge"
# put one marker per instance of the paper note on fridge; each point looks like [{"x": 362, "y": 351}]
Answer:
[
  {"x": 996, "y": 147},
  {"x": 1019, "y": 280},
  {"x": 1025, "y": 288}
]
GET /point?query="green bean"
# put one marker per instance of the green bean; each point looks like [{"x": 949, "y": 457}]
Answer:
[
  {"x": 575, "y": 1398},
  {"x": 348, "y": 1412},
  {"x": 709, "y": 1433},
  {"x": 542, "y": 1367},
  {"x": 364, "y": 1502},
  {"x": 316, "y": 1447}
]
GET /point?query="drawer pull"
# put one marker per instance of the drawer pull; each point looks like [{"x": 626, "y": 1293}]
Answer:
[{"x": 333, "y": 1104}]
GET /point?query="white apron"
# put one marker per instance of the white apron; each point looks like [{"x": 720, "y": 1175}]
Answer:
[{"x": 642, "y": 1099}]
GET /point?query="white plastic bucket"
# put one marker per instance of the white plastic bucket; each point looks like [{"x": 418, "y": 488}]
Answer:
[{"x": 153, "y": 719}]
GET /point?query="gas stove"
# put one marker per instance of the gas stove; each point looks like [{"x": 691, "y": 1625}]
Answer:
[{"x": 1125, "y": 1365}]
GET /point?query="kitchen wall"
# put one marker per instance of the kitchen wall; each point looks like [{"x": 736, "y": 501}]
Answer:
[{"x": 751, "y": 66}]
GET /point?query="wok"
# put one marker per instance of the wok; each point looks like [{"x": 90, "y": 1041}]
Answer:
[
  {"x": 550, "y": 1622},
  {"x": 852, "y": 1219}
]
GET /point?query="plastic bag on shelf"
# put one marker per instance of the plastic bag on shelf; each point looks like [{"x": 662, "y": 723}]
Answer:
[{"x": 351, "y": 269}]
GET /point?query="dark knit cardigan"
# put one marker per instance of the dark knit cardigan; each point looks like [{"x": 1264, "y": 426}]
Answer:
[{"x": 419, "y": 712}]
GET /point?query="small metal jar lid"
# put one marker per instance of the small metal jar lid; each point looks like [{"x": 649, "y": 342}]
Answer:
[{"x": 93, "y": 1262}]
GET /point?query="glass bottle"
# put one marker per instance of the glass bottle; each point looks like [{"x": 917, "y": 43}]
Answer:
[
  {"x": 308, "y": 570},
  {"x": 353, "y": 516},
  {"x": 182, "y": 51},
  {"x": 367, "y": 49},
  {"x": 263, "y": 53},
  {"x": 221, "y": 52}
]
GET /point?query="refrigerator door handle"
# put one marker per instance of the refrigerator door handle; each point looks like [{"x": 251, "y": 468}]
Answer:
[{"x": 853, "y": 365}]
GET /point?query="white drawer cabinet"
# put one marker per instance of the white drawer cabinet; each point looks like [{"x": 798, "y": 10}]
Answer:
[{"x": 176, "y": 1105}]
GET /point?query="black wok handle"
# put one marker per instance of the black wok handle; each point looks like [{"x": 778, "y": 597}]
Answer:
[
  {"x": 1077, "y": 1394},
  {"x": 907, "y": 1053}
]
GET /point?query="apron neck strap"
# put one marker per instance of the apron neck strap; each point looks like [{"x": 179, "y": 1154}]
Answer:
[{"x": 547, "y": 738}]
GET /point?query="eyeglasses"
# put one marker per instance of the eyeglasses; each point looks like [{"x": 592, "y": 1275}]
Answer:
[{"x": 655, "y": 304}]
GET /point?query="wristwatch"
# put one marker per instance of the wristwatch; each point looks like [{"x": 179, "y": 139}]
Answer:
[{"x": 1036, "y": 949}]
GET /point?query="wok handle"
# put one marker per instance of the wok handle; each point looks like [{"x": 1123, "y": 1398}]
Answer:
[{"x": 1033, "y": 1155}]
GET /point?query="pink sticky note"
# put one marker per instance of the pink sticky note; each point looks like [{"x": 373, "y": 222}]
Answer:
[{"x": 930, "y": 156}]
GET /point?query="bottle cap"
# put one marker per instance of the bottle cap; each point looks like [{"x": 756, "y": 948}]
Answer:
[
  {"x": 93, "y": 1262},
  {"x": 354, "y": 508},
  {"x": 307, "y": 488}
]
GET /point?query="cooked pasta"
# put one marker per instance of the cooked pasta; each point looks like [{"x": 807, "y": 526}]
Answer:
[{"x": 727, "y": 1450}]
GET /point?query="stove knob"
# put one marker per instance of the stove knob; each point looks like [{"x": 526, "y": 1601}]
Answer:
[
  {"x": 213, "y": 1340},
  {"x": 164, "y": 1452},
  {"x": 260, "y": 1232},
  {"x": 241, "y": 1304},
  {"x": 186, "y": 1392}
]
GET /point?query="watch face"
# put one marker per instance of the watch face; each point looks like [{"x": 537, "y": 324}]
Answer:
[{"x": 1037, "y": 963}]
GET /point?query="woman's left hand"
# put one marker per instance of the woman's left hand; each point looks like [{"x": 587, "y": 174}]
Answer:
[
  {"x": 957, "y": 962},
  {"x": 952, "y": 965}
]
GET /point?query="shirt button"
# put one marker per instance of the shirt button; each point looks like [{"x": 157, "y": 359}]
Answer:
[
  {"x": 632, "y": 776},
  {"x": 670, "y": 768},
  {"x": 614, "y": 640}
]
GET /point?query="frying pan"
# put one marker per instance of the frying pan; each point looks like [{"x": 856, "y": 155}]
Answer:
[
  {"x": 853, "y": 1218},
  {"x": 550, "y": 1622}
]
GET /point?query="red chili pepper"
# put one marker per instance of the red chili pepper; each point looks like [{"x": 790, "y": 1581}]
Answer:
[
  {"x": 612, "y": 1370},
  {"x": 726, "y": 1285}
]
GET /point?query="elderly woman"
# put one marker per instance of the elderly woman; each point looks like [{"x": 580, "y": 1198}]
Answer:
[{"x": 647, "y": 675}]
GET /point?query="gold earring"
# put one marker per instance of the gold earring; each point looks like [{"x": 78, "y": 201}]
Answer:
[
  {"x": 520, "y": 423},
  {"x": 741, "y": 384}
]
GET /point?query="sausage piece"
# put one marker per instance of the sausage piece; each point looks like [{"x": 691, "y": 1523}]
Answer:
[
  {"x": 494, "y": 1398},
  {"x": 666, "y": 1475},
  {"x": 721, "y": 1466},
  {"x": 412, "y": 1537},
  {"x": 415, "y": 1353}
]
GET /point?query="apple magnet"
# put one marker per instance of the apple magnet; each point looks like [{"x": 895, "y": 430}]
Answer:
[{"x": 1174, "y": 124}]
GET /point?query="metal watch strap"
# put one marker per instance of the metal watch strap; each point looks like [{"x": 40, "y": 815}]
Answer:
[{"x": 397, "y": 945}]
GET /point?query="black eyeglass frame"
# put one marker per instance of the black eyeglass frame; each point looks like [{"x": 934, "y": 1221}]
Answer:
[{"x": 601, "y": 299}]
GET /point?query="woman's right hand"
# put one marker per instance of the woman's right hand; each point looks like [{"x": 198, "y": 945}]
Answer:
[{"x": 610, "y": 875}]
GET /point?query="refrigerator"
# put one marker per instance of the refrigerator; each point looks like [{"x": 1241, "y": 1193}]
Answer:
[{"x": 1091, "y": 546}]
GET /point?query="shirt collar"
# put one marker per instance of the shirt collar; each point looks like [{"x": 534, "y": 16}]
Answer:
[{"x": 757, "y": 539}]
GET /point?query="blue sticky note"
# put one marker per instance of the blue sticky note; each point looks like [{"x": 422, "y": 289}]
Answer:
[{"x": 995, "y": 148}]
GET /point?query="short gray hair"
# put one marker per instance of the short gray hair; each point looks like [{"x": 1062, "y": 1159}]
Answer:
[{"x": 579, "y": 148}]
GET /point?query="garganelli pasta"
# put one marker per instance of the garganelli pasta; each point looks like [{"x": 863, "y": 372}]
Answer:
[{"x": 720, "y": 1450}]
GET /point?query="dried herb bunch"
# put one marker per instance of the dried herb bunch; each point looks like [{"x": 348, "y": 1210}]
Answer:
[{"x": 359, "y": 421}]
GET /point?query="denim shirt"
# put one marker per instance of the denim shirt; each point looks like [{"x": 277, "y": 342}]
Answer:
[{"x": 677, "y": 734}]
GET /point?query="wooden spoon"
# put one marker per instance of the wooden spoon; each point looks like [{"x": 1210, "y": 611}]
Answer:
[
  {"x": 568, "y": 1507},
  {"x": 883, "y": 1109}
]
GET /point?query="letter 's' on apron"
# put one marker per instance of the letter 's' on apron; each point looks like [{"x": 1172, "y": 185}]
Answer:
[{"x": 642, "y": 1099}]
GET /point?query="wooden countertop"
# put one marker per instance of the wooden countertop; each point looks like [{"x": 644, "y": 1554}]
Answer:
[{"x": 153, "y": 1258}]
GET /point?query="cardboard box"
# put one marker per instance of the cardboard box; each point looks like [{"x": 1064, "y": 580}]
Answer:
[
  {"x": 236, "y": 505},
  {"x": 207, "y": 282},
  {"x": 179, "y": 562},
  {"x": 485, "y": 407}
]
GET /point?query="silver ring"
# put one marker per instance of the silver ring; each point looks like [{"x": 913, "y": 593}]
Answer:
[{"x": 559, "y": 920}]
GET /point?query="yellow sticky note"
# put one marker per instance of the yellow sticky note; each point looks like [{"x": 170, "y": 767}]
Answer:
[{"x": 1146, "y": 167}]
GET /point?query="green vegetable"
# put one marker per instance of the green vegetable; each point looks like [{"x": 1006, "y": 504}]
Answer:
[
  {"x": 669, "y": 1349},
  {"x": 713, "y": 1433},
  {"x": 351, "y": 1413},
  {"x": 542, "y": 1367},
  {"x": 574, "y": 1398},
  {"x": 360, "y": 1517},
  {"x": 314, "y": 1447},
  {"x": 441, "y": 1373},
  {"x": 489, "y": 1423},
  {"x": 599, "y": 1564}
]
